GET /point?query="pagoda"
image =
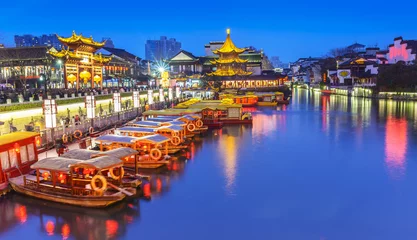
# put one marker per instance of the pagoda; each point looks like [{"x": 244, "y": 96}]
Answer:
[
  {"x": 81, "y": 64},
  {"x": 229, "y": 64}
]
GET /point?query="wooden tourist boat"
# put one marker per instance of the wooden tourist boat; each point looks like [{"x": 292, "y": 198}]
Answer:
[
  {"x": 148, "y": 146},
  {"x": 248, "y": 100},
  {"x": 18, "y": 151},
  {"x": 190, "y": 129},
  {"x": 126, "y": 154},
  {"x": 214, "y": 112},
  {"x": 75, "y": 182},
  {"x": 184, "y": 120},
  {"x": 175, "y": 133},
  {"x": 271, "y": 99},
  {"x": 185, "y": 115}
]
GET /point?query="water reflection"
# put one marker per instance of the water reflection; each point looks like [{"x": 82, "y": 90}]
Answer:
[
  {"x": 60, "y": 221},
  {"x": 395, "y": 146}
]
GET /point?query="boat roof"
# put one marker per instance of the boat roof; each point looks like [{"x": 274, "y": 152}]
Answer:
[
  {"x": 117, "y": 138},
  {"x": 85, "y": 154},
  {"x": 159, "y": 119},
  {"x": 136, "y": 129},
  {"x": 172, "y": 127},
  {"x": 62, "y": 164},
  {"x": 16, "y": 137},
  {"x": 81, "y": 154},
  {"x": 118, "y": 152},
  {"x": 157, "y": 138},
  {"x": 179, "y": 123},
  {"x": 170, "y": 112},
  {"x": 147, "y": 123}
]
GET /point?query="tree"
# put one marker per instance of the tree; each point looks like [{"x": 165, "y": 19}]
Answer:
[
  {"x": 337, "y": 52},
  {"x": 398, "y": 77}
]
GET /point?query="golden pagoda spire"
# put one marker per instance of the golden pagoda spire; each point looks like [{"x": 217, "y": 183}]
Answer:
[
  {"x": 229, "y": 46},
  {"x": 229, "y": 63}
]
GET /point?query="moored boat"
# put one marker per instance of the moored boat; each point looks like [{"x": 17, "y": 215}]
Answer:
[
  {"x": 74, "y": 182},
  {"x": 18, "y": 151}
]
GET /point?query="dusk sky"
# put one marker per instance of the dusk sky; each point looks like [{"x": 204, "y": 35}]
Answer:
[{"x": 289, "y": 29}]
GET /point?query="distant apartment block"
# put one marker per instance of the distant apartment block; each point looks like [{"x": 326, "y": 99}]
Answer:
[
  {"x": 28, "y": 40},
  {"x": 163, "y": 48}
]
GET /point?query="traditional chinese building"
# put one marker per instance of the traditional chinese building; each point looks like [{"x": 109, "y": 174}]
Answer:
[
  {"x": 229, "y": 63},
  {"x": 232, "y": 70},
  {"x": 82, "y": 66},
  {"x": 23, "y": 66},
  {"x": 235, "y": 67}
]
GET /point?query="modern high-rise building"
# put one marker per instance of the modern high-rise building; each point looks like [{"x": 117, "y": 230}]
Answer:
[
  {"x": 163, "y": 48},
  {"x": 28, "y": 40}
]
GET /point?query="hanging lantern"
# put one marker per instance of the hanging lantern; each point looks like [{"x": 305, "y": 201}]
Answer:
[
  {"x": 17, "y": 147},
  {"x": 71, "y": 78},
  {"x": 38, "y": 141},
  {"x": 45, "y": 175},
  {"x": 97, "y": 78}
]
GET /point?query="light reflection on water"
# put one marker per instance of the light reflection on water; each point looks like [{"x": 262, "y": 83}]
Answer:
[{"x": 323, "y": 167}]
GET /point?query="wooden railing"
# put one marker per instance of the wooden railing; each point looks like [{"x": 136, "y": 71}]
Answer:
[{"x": 30, "y": 183}]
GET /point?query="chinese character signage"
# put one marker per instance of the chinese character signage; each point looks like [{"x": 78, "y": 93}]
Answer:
[
  {"x": 117, "y": 102},
  {"x": 161, "y": 95},
  {"x": 49, "y": 111},
  {"x": 170, "y": 94},
  {"x": 177, "y": 92},
  {"x": 136, "y": 99},
  {"x": 90, "y": 105},
  {"x": 150, "y": 96}
]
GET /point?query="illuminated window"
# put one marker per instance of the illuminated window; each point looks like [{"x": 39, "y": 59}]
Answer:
[
  {"x": 23, "y": 154},
  {"x": 4, "y": 157},
  {"x": 13, "y": 158},
  {"x": 31, "y": 152}
]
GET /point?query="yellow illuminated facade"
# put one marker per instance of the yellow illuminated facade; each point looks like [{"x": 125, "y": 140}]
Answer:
[
  {"x": 82, "y": 67},
  {"x": 229, "y": 64}
]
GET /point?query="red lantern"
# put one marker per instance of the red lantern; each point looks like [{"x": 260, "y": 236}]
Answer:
[
  {"x": 17, "y": 147},
  {"x": 38, "y": 141}
]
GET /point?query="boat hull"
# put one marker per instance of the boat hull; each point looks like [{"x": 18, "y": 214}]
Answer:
[
  {"x": 147, "y": 165},
  {"x": 4, "y": 188},
  {"x": 262, "y": 104},
  {"x": 90, "y": 202}
]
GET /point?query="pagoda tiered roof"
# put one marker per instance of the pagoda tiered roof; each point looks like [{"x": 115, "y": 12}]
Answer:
[
  {"x": 64, "y": 53},
  {"x": 227, "y": 61},
  {"x": 229, "y": 73},
  {"x": 101, "y": 59},
  {"x": 80, "y": 40},
  {"x": 229, "y": 46}
]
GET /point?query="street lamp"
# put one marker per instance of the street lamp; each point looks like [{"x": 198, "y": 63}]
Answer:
[
  {"x": 42, "y": 78},
  {"x": 59, "y": 62}
]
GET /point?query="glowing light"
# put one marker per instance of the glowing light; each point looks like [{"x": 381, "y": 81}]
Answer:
[
  {"x": 65, "y": 230},
  {"x": 21, "y": 213},
  {"x": 111, "y": 228},
  {"x": 158, "y": 185},
  {"x": 395, "y": 146},
  {"x": 50, "y": 228}
]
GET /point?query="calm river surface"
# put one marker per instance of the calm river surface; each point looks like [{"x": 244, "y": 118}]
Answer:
[{"x": 323, "y": 167}]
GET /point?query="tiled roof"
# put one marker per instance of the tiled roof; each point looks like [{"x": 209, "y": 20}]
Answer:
[
  {"x": 24, "y": 53},
  {"x": 122, "y": 54}
]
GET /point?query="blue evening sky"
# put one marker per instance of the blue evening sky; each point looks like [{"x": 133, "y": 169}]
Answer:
[{"x": 289, "y": 29}]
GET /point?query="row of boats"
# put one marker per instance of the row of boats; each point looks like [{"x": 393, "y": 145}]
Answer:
[
  {"x": 110, "y": 173},
  {"x": 101, "y": 177}
]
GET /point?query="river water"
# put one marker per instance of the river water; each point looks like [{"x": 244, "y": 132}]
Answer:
[{"x": 323, "y": 167}]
